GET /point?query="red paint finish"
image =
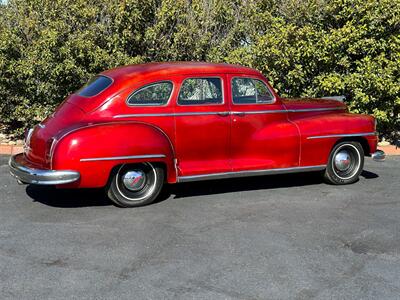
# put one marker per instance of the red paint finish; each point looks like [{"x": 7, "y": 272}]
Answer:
[
  {"x": 192, "y": 139},
  {"x": 266, "y": 140},
  {"x": 202, "y": 140}
]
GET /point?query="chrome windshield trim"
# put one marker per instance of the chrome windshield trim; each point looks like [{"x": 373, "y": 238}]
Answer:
[
  {"x": 340, "y": 135},
  {"x": 250, "y": 173},
  {"x": 123, "y": 157}
]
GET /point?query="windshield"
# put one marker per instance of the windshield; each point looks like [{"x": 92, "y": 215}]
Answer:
[{"x": 95, "y": 86}]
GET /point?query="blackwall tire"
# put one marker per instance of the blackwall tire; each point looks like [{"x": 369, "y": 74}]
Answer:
[
  {"x": 345, "y": 164},
  {"x": 133, "y": 185}
]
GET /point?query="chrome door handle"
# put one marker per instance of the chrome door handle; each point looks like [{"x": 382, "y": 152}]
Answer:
[
  {"x": 238, "y": 113},
  {"x": 223, "y": 113}
]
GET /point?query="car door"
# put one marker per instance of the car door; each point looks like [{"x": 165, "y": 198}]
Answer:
[
  {"x": 202, "y": 123},
  {"x": 262, "y": 137}
]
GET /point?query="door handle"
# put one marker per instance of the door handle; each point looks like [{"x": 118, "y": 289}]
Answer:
[
  {"x": 238, "y": 113},
  {"x": 223, "y": 113}
]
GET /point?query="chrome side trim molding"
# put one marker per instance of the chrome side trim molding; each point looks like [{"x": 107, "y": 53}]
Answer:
[
  {"x": 141, "y": 115},
  {"x": 250, "y": 173},
  {"x": 315, "y": 109},
  {"x": 340, "y": 135},
  {"x": 123, "y": 157},
  {"x": 251, "y": 112},
  {"x": 256, "y": 112},
  {"x": 172, "y": 114}
]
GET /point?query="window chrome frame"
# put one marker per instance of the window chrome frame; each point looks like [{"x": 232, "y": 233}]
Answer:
[
  {"x": 273, "y": 100},
  {"x": 205, "y": 104},
  {"x": 153, "y": 104}
]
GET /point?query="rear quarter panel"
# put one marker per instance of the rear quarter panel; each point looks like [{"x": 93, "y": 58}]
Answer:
[
  {"x": 315, "y": 151},
  {"x": 107, "y": 141}
]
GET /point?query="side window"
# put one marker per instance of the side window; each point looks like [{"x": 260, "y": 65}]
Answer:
[
  {"x": 201, "y": 91},
  {"x": 250, "y": 91},
  {"x": 153, "y": 94}
]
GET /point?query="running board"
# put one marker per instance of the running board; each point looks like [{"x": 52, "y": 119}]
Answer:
[{"x": 250, "y": 173}]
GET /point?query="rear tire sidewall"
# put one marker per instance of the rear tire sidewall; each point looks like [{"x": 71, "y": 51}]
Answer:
[
  {"x": 125, "y": 198},
  {"x": 332, "y": 176}
]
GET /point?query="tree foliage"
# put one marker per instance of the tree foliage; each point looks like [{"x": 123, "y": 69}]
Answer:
[{"x": 49, "y": 48}]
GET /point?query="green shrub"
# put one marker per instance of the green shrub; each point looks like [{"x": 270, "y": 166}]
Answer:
[{"x": 313, "y": 48}]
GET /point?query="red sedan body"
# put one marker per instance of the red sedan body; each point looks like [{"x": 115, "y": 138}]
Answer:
[{"x": 90, "y": 136}]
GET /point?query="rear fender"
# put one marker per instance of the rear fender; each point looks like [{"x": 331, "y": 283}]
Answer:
[
  {"x": 319, "y": 133},
  {"x": 94, "y": 150}
]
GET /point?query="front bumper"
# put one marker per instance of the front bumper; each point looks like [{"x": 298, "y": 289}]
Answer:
[
  {"x": 21, "y": 169},
  {"x": 379, "y": 155}
]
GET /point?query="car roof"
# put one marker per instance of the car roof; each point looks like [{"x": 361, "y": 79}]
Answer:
[{"x": 176, "y": 68}]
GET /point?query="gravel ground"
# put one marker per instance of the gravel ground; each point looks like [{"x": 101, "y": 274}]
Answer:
[{"x": 273, "y": 237}]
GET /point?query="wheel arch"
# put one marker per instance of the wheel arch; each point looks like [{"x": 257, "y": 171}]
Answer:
[{"x": 362, "y": 140}]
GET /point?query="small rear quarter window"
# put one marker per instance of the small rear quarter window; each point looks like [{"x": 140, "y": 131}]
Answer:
[
  {"x": 156, "y": 93},
  {"x": 95, "y": 86}
]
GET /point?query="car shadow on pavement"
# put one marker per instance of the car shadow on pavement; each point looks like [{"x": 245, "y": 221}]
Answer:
[
  {"x": 243, "y": 184},
  {"x": 248, "y": 184},
  {"x": 69, "y": 198},
  {"x": 369, "y": 175}
]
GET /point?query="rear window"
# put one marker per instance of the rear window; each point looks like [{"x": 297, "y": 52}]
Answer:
[{"x": 95, "y": 86}]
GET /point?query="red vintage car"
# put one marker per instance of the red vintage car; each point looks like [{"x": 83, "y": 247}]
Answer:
[{"x": 134, "y": 128}]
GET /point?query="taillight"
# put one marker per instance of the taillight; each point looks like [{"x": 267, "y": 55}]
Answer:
[
  {"x": 50, "y": 144},
  {"x": 27, "y": 142}
]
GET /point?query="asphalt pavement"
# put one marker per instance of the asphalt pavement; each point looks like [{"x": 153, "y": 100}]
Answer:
[{"x": 272, "y": 237}]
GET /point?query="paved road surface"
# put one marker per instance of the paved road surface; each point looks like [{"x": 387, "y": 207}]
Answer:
[{"x": 274, "y": 237}]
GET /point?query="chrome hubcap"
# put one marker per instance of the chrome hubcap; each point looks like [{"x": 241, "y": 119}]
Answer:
[
  {"x": 134, "y": 180},
  {"x": 342, "y": 160}
]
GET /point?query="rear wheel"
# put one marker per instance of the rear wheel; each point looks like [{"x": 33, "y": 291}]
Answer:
[
  {"x": 346, "y": 163},
  {"x": 135, "y": 184}
]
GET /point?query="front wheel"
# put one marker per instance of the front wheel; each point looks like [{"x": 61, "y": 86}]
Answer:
[
  {"x": 135, "y": 184},
  {"x": 346, "y": 163}
]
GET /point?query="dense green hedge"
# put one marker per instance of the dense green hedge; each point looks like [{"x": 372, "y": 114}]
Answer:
[{"x": 49, "y": 48}]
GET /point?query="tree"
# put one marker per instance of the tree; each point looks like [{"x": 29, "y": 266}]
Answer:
[{"x": 48, "y": 49}]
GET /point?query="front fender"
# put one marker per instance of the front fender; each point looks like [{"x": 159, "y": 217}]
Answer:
[{"x": 93, "y": 150}]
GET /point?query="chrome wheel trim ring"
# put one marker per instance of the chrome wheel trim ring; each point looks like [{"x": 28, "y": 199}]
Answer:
[
  {"x": 149, "y": 192},
  {"x": 357, "y": 158},
  {"x": 134, "y": 180}
]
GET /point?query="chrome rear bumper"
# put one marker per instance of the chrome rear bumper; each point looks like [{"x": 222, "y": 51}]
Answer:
[
  {"x": 379, "y": 155},
  {"x": 26, "y": 174}
]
